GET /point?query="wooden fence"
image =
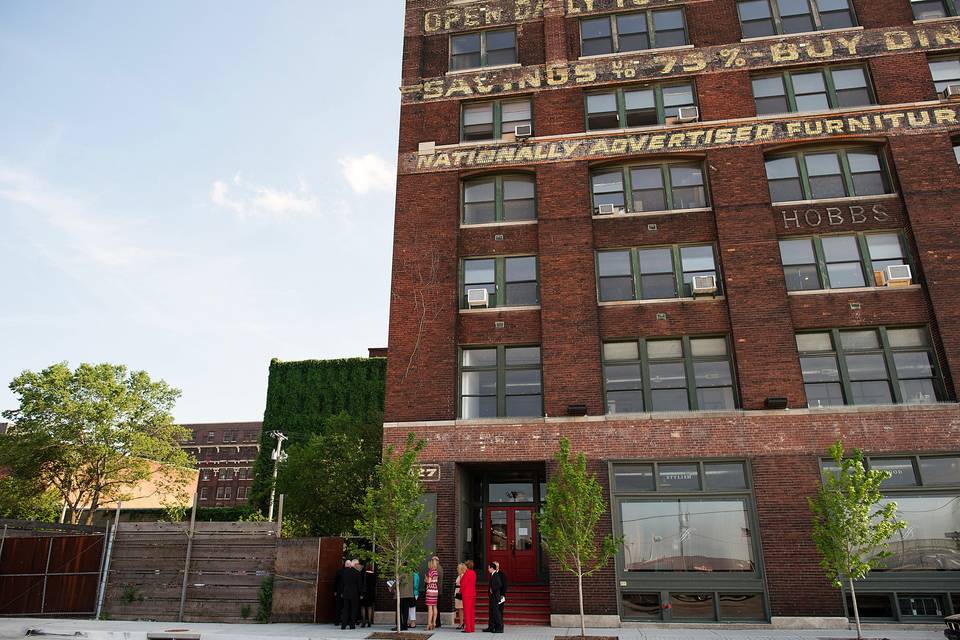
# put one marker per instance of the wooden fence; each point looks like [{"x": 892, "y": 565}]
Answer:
[{"x": 228, "y": 564}]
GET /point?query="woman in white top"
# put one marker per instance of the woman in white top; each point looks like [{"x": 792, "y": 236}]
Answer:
[{"x": 457, "y": 598}]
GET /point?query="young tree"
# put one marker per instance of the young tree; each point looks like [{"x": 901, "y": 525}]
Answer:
[
  {"x": 850, "y": 527},
  {"x": 568, "y": 524},
  {"x": 92, "y": 433},
  {"x": 392, "y": 517}
]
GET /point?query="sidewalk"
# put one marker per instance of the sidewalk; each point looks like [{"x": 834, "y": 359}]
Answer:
[{"x": 11, "y": 628}]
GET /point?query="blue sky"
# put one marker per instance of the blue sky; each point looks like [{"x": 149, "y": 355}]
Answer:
[{"x": 193, "y": 187}]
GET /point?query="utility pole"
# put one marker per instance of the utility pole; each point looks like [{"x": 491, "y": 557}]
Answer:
[{"x": 277, "y": 457}]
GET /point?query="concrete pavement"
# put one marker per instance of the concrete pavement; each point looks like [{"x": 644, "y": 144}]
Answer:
[{"x": 11, "y": 628}]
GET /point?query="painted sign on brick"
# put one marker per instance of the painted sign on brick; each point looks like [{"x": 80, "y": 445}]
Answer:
[
  {"x": 674, "y": 139},
  {"x": 479, "y": 15},
  {"x": 655, "y": 65},
  {"x": 819, "y": 217}
]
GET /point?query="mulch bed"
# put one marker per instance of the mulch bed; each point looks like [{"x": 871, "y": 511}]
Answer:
[{"x": 393, "y": 635}]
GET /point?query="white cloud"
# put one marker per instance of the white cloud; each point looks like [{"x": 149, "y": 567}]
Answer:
[
  {"x": 249, "y": 199},
  {"x": 93, "y": 235},
  {"x": 368, "y": 173}
]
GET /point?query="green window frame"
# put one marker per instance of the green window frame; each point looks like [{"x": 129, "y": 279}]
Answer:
[
  {"x": 646, "y": 188},
  {"x": 817, "y": 263},
  {"x": 765, "y": 18},
  {"x": 511, "y": 281},
  {"x": 490, "y": 119},
  {"x": 813, "y": 89},
  {"x": 636, "y": 31},
  {"x": 478, "y": 49},
  {"x": 500, "y": 382},
  {"x": 945, "y": 71},
  {"x": 655, "y": 272},
  {"x": 637, "y": 106},
  {"x": 870, "y": 366},
  {"x": 933, "y": 9},
  {"x": 827, "y": 173},
  {"x": 497, "y": 199},
  {"x": 648, "y": 375}
]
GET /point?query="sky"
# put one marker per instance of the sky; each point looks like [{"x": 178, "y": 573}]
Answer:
[{"x": 194, "y": 187}]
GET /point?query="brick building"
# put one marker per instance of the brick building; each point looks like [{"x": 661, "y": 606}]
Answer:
[
  {"x": 703, "y": 239},
  {"x": 225, "y": 453}
]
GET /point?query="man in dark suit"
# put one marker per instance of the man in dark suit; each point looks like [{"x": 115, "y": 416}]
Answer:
[
  {"x": 338, "y": 592},
  {"x": 503, "y": 589},
  {"x": 496, "y": 599},
  {"x": 350, "y": 587}
]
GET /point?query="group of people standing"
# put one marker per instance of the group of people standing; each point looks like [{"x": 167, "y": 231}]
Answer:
[{"x": 355, "y": 589}]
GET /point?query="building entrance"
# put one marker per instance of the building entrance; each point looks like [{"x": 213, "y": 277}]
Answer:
[{"x": 512, "y": 541}]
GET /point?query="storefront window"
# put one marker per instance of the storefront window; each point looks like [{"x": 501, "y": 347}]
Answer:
[
  {"x": 931, "y": 541},
  {"x": 641, "y": 606},
  {"x": 742, "y": 606},
  {"x": 688, "y": 534},
  {"x": 692, "y": 606}
]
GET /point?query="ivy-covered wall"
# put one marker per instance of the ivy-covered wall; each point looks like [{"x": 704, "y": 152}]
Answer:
[{"x": 302, "y": 395}]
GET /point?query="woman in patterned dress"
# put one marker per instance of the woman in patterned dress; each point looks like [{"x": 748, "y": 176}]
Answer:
[{"x": 432, "y": 594}]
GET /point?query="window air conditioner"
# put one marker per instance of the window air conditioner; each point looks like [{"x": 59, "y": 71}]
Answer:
[
  {"x": 606, "y": 209},
  {"x": 898, "y": 275},
  {"x": 478, "y": 298},
  {"x": 704, "y": 284},
  {"x": 952, "y": 91},
  {"x": 523, "y": 130},
  {"x": 688, "y": 114}
]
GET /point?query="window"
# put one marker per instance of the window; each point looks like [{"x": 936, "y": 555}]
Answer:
[
  {"x": 956, "y": 151},
  {"x": 837, "y": 262},
  {"x": 203, "y": 493},
  {"x": 210, "y": 436},
  {"x": 679, "y": 374},
  {"x": 220, "y": 492},
  {"x": 759, "y": 18},
  {"x": 224, "y": 474},
  {"x": 241, "y": 493},
  {"x": 812, "y": 90},
  {"x": 930, "y": 9},
  {"x": 228, "y": 493},
  {"x": 242, "y": 473},
  {"x": 638, "y": 107},
  {"x": 229, "y": 436},
  {"x": 646, "y": 188},
  {"x": 491, "y": 120},
  {"x": 945, "y": 72},
  {"x": 869, "y": 366},
  {"x": 491, "y": 199},
  {"x": 205, "y": 475},
  {"x": 250, "y": 436},
  {"x": 927, "y": 492},
  {"x": 483, "y": 49},
  {"x": 653, "y": 273},
  {"x": 815, "y": 175},
  {"x": 500, "y": 382},
  {"x": 632, "y": 32},
  {"x": 511, "y": 282}
]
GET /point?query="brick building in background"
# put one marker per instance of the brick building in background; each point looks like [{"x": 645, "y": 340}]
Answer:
[
  {"x": 703, "y": 239},
  {"x": 225, "y": 453}
]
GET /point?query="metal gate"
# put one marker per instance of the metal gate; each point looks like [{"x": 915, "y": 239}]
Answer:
[{"x": 49, "y": 573}]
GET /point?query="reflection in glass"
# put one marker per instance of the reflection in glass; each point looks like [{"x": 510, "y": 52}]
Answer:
[
  {"x": 510, "y": 492},
  {"x": 931, "y": 541}
]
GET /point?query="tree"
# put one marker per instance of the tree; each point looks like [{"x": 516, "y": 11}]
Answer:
[
  {"x": 23, "y": 498},
  {"x": 568, "y": 524},
  {"x": 850, "y": 527},
  {"x": 93, "y": 433},
  {"x": 325, "y": 480},
  {"x": 392, "y": 517}
]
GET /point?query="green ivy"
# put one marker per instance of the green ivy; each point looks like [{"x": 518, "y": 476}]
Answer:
[{"x": 303, "y": 396}]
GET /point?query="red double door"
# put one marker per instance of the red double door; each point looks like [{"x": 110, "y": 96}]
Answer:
[{"x": 512, "y": 541}]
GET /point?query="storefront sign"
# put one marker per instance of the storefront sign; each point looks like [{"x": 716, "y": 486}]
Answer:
[
  {"x": 677, "y": 139},
  {"x": 790, "y": 51}
]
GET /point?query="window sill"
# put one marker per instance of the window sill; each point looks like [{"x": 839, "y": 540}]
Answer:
[
  {"x": 647, "y": 214},
  {"x": 625, "y": 303},
  {"x": 488, "y": 225},
  {"x": 845, "y": 199},
  {"x": 813, "y": 292},
  {"x": 496, "y": 67},
  {"x": 682, "y": 47},
  {"x": 801, "y": 33},
  {"x": 935, "y": 20},
  {"x": 529, "y": 307}
]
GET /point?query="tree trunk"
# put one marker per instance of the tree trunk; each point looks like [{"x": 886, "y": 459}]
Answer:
[
  {"x": 583, "y": 626},
  {"x": 396, "y": 568},
  {"x": 856, "y": 611}
]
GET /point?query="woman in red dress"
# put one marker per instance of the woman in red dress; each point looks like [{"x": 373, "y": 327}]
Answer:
[{"x": 468, "y": 590}]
